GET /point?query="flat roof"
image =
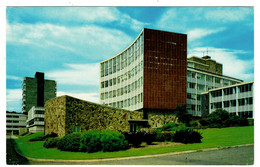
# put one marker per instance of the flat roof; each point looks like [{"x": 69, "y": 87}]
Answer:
[{"x": 230, "y": 86}]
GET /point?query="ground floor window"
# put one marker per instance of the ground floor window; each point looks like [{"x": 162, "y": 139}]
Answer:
[
  {"x": 76, "y": 129},
  {"x": 133, "y": 127}
]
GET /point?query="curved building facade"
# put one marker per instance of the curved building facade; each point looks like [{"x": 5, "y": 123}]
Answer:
[{"x": 149, "y": 75}]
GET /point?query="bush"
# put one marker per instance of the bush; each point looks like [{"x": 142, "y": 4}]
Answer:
[
  {"x": 203, "y": 122},
  {"x": 182, "y": 114},
  {"x": 238, "y": 121},
  {"x": 52, "y": 134},
  {"x": 170, "y": 127},
  {"x": 218, "y": 119},
  {"x": 90, "y": 141},
  {"x": 70, "y": 142},
  {"x": 113, "y": 141},
  {"x": 149, "y": 137},
  {"x": 187, "y": 136},
  {"x": 135, "y": 139},
  {"x": 194, "y": 124},
  {"x": 51, "y": 142},
  {"x": 40, "y": 138}
]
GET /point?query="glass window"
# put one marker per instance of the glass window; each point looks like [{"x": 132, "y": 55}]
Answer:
[
  {"x": 217, "y": 80},
  {"x": 76, "y": 129},
  {"x": 209, "y": 78}
]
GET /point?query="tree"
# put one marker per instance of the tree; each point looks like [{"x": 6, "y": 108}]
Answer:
[
  {"x": 182, "y": 114},
  {"x": 218, "y": 119}
]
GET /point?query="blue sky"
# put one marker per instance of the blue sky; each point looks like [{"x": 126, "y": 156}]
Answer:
[{"x": 67, "y": 43}]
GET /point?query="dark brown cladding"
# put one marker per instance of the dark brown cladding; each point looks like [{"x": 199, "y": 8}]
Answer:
[{"x": 165, "y": 68}]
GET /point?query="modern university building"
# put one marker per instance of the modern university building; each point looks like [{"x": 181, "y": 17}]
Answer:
[
  {"x": 36, "y": 92},
  {"x": 153, "y": 74}
]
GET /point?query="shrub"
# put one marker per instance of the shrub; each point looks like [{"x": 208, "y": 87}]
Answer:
[
  {"x": 182, "y": 114},
  {"x": 51, "y": 142},
  {"x": 238, "y": 121},
  {"x": 149, "y": 137},
  {"x": 113, "y": 141},
  {"x": 194, "y": 124},
  {"x": 135, "y": 139},
  {"x": 187, "y": 136},
  {"x": 70, "y": 142},
  {"x": 170, "y": 126},
  {"x": 90, "y": 141},
  {"x": 40, "y": 138},
  {"x": 203, "y": 122},
  {"x": 218, "y": 119},
  {"x": 52, "y": 134}
]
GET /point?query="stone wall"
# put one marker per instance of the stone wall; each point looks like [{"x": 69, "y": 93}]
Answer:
[
  {"x": 54, "y": 116},
  {"x": 157, "y": 120},
  {"x": 65, "y": 112}
]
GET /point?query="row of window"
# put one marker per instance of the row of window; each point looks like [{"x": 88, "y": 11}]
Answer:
[
  {"x": 192, "y": 74},
  {"x": 128, "y": 102},
  {"x": 128, "y": 75},
  {"x": 228, "y": 91},
  {"x": 125, "y": 59},
  {"x": 12, "y": 116},
  {"x": 201, "y": 87},
  {"x": 31, "y": 122},
  {"x": 193, "y": 96},
  {"x": 12, "y": 121},
  {"x": 39, "y": 112},
  {"x": 232, "y": 103},
  {"x": 122, "y": 91},
  {"x": 193, "y": 107},
  {"x": 8, "y": 126}
]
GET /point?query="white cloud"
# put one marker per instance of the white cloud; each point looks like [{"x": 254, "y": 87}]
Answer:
[
  {"x": 76, "y": 74},
  {"x": 91, "y": 41},
  {"x": 74, "y": 16},
  {"x": 229, "y": 14},
  {"x": 232, "y": 65},
  {"x": 14, "y": 100},
  {"x": 92, "y": 97},
  {"x": 14, "y": 78},
  {"x": 200, "y": 33}
]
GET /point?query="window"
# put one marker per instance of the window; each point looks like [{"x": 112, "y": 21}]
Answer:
[
  {"x": 110, "y": 82},
  {"x": 233, "y": 103},
  {"x": 241, "y": 102},
  {"x": 200, "y": 87},
  {"x": 114, "y": 93},
  {"x": 228, "y": 91},
  {"x": 76, "y": 129},
  {"x": 245, "y": 88},
  {"x": 133, "y": 127},
  {"x": 191, "y": 85},
  {"x": 216, "y": 93},
  {"x": 217, "y": 80},
  {"x": 209, "y": 78},
  {"x": 226, "y": 103},
  {"x": 193, "y": 74},
  {"x": 114, "y": 81}
]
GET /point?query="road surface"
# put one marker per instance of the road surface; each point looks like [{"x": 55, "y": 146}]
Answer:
[{"x": 229, "y": 156}]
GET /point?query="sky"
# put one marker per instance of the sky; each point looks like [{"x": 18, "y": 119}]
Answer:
[{"x": 67, "y": 43}]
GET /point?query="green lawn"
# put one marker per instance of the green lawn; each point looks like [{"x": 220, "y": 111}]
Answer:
[{"x": 223, "y": 137}]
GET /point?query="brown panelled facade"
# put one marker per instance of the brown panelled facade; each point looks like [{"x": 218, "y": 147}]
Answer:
[{"x": 165, "y": 68}]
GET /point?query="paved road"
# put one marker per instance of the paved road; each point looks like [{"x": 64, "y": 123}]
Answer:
[{"x": 229, "y": 156}]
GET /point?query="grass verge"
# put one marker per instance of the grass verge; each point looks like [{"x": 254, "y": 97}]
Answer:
[{"x": 212, "y": 138}]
